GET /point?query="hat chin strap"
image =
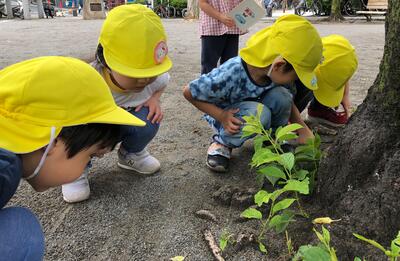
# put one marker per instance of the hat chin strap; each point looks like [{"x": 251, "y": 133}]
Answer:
[
  {"x": 270, "y": 71},
  {"x": 272, "y": 65},
  {"x": 48, "y": 147}
]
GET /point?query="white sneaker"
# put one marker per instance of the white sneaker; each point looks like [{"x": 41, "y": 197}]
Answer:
[
  {"x": 141, "y": 162},
  {"x": 78, "y": 190}
]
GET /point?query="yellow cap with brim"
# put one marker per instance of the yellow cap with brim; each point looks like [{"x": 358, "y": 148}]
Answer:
[
  {"x": 46, "y": 92},
  {"x": 134, "y": 42},
  {"x": 339, "y": 64},
  {"x": 291, "y": 37}
]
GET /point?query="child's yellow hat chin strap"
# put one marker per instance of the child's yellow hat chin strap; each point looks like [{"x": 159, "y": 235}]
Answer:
[{"x": 41, "y": 162}]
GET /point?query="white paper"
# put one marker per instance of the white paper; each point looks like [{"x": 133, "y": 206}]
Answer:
[{"x": 246, "y": 14}]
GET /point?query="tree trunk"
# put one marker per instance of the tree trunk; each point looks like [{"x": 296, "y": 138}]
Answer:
[
  {"x": 9, "y": 10},
  {"x": 359, "y": 179},
  {"x": 193, "y": 9},
  {"x": 40, "y": 8},
  {"x": 336, "y": 14}
]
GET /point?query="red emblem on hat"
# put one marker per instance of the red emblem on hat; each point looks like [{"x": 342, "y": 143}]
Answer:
[{"x": 160, "y": 52}]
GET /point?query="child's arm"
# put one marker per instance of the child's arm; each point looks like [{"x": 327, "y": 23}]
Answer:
[
  {"x": 305, "y": 133},
  {"x": 346, "y": 99},
  {"x": 225, "y": 117},
  {"x": 153, "y": 103},
  {"x": 210, "y": 11}
]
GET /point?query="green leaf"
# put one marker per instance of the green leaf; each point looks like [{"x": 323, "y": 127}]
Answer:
[
  {"x": 287, "y": 129},
  {"x": 395, "y": 246},
  {"x": 327, "y": 236},
  {"x": 299, "y": 186},
  {"x": 283, "y": 204},
  {"x": 321, "y": 238},
  {"x": 370, "y": 241},
  {"x": 261, "y": 197},
  {"x": 305, "y": 158},
  {"x": 304, "y": 149},
  {"x": 357, "y": 259},
  {"x": 287, "y": 160},
  {"x": 316, "y": 141},
  {"x": 275, "y": 220},
  {"x": 251, "y": 213},
  {"x": 262, "y": 247},
  {"x": 289, "y": 136},
  {"x": 333, "y": 254},
  {"x": 276, "y": 194},
  {"x": 258, "y": 142},
  {"x": 260, "y": 108},
  {"x": 280, "y": 222},
  {"x": 313, "y": 253},
  {"x": 249, "y": 130},
  {"x": 223, "y": 242},
  {"x": 249, "y": 119},
  {"x": 178, "y": 258},
  {"x": 300, "y": 174},
  {"x": 272, "y": 171},
  {"x": 263, "y": 156}
]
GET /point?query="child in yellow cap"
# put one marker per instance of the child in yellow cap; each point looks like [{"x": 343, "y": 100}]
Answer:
[
  {"x": 51, "y": 125},
  {"x": 132, "y": 58},
  {"x": 333, "y": 75},
  {"x": 291, "y": 48}
]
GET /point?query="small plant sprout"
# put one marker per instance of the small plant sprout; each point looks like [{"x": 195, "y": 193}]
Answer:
[
  {"x": 225, "y": 239},
  {"x": 393, "y": 253},
  {"x": 279, "y": 168},
  {"x": 322, "y": 252},
  {"x": 289, "y": 244}
]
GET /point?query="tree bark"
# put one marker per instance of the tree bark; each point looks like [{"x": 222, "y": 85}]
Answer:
[
  {"x": 193, "y": 9},
  {"x": 336, "y": 14},
  {"x": 40, "y": 8},
  {"x": 359, "y": 179},
  {"x": 9, "y": 10}
]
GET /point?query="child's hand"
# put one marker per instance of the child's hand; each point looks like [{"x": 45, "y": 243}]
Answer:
[
  {"x": 226, "y": 20},
  {"x": 230, "y": 122},
  {"x": 155, "y": 114},
  {"x": 304, "y": 134}
]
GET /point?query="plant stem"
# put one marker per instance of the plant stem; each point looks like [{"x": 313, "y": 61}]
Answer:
[
  {"x": 263, "y": 228},
  {"x": 302, "y": 212},
  {"x": 277, "y": 149}
]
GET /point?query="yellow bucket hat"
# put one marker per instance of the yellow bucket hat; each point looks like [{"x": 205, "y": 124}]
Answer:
[
  {"x": 44, "y": 93},
  {"x": 134, "y": 42},
  {"x": 293, "y": 38},
  {"x": 340, "y": 63}
]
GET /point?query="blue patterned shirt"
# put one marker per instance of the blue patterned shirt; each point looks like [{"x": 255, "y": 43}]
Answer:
[{"x": 227, "y": 85}]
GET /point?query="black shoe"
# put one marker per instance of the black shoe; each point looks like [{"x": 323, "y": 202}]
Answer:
[{"x": 217, "y": 163}]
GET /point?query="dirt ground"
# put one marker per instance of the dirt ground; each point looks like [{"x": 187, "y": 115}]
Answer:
[{"x": 130, "y": 217}]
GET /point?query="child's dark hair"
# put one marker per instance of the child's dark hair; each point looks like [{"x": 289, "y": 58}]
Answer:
[
  {"x": 81, "y": 137},
  {"x": 287, "y": 67},
  {"x": 100, "y": 56}
]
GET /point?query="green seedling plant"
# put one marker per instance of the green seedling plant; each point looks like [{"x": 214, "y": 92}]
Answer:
[
  {"x": 279, "y": 168},
  {"x": 289, "y": 244},
  {"x": 322, "y": 252},
  {"x": 393, "y": 253},
  {"x": 225, "y": 239}
]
